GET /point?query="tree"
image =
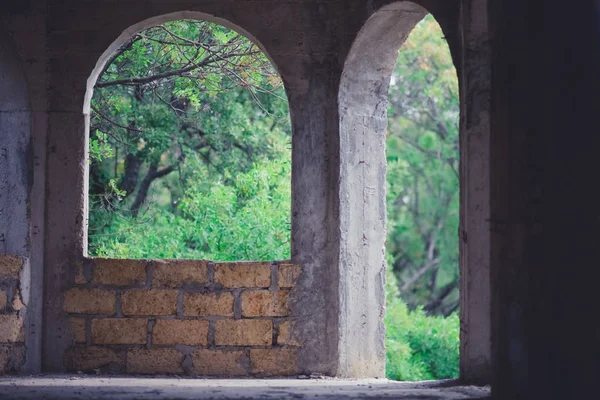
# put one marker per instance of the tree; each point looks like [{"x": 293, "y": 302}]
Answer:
[
  {"x": 423, "y": 162},
  {"x": 176, "y": 98}
]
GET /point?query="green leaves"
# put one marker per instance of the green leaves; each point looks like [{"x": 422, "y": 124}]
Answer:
[
  {"x": 99, "y": 148},
  {"x": 423, "y": 163}
]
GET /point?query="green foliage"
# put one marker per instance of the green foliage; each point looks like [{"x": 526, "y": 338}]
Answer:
[
  {"x": 419, "y": 347},
  {"x": 247, "y": 218},
  {"x": 422, "y": 177},
  {"x": 183, "y": 119}
]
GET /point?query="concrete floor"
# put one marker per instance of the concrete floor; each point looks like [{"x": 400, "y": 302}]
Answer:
[{"x": 120, "y": 388}]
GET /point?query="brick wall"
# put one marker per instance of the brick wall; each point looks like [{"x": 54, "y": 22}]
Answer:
[
  {"x": 182, "y": 317},
  {"x": 12, "y": 346}
]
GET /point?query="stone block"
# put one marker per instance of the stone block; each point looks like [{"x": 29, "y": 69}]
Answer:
[
  {"x": 78, "y": 329},
  {"x": 174, "y": 331},
  {"x": 89, "y": 301},
  {"x": 289, "y": 275},
  {"x": 154, "y": 361},
  {"x": 81, "y": 358},
  {"x": 17, "y": 303},
  {"x": 285, "y": 334},
  {"x": 198, "y": 304},
  {"x": 178, "y": 273},
  {"x": 3, "y": 299},
  {"x": 219, "y": 363},
  {"x": 149, "y": 302},
  {"x": 244, "y": 332},
  {"x": 108, "y": 271},
  {"x": 10, "y": 267},
  {"x": 264, "y": 303},
  {"x": 11, "y": 329},
  {"x": 279, "y": 362},
  {"x": 119, "y": 331},
  {"x": 243, "y": 275}
]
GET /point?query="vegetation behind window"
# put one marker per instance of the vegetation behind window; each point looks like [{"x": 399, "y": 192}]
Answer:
[
  {"x": 189, "y": 149},
  {"x": 423, "y": 210}
]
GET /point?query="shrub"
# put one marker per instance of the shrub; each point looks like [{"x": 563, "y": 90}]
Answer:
[{"x": 419, "y": 347}]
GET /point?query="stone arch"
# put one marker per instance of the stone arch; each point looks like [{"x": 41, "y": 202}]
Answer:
[{"x": 363, "y": 120}]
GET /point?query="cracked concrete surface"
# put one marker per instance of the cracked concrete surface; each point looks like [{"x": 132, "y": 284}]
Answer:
[{"x": 121, "y": 388}]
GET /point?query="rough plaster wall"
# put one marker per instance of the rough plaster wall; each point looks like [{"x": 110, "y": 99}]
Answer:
[
  {"x": 15, "y": 128},
  {"x": 25, "y": 24},
  {"x": 363, "y": 123}
]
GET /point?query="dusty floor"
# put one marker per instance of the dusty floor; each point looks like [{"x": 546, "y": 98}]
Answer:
[{"x": 105, "y": 387}]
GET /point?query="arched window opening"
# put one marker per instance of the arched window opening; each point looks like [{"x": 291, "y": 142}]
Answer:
[
  {"x": 189, "y": 148},
  {"x": 422, "y": 249}
]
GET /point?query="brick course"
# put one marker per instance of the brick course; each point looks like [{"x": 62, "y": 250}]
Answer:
[
  {"x": 149, "y": 302},
  {"x": 154, "y": 361},
  {"x": 90, "y": 301},
  {"x": 219, "y": 362},
  {"x": 119, "y": 272},
  {"x": 178, "y": 273},
  {"x": 80, "y": 358},
  {"x": 119, "y": 331},
  {"x": 173, "y": 331},
  {"x": 208, "y": 304},
  {"x": 274, "y": 361},
  {"x": 244, "y": 332},
  {"x": 289, "y": 275},
  {"x": 243, "y": 275},
  {"x": 264, "y": 303},
  {"x": 285, "y": 334},
  {"x": 11, "y": 329},
  {"x": 10, "y": 267}
]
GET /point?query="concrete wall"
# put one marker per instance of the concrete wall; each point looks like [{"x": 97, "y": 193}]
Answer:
[
  {"x": 21, "y": 246},
  {"x": 338, "y": 303}
]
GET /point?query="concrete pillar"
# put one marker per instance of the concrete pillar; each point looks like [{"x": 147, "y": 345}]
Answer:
[
  {"x": 474, "y": 234},
  {"x": 363, "y": 123},
  {"x": 544, "y": 212}
]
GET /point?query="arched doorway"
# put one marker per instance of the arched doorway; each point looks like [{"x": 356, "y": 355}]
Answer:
[{"x": 363, "y": 120}]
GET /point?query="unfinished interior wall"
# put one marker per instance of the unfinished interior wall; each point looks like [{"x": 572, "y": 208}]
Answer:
[{"x": 337, "y": 302}]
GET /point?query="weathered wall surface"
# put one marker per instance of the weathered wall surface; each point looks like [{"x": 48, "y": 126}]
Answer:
[
  {"x": 22, "y": 165},
  {"x": 337, "y": 303},
  {"x": 183, "y": 317},
  {"x": 12, "y": 335}
]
